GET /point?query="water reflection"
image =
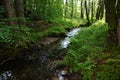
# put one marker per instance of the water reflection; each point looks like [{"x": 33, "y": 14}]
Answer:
[{"x": 6, "y": 75}]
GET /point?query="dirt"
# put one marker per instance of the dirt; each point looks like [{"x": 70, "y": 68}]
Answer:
[{"x": 47, "y": 41}]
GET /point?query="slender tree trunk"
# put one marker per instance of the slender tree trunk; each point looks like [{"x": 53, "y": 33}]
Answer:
[
  {"x": 118, "y": 16},
  {"x": 1, "y": 2},
  {"x": 89, "y": 7},
  {"x": 25, "y": 7},
  {"x": 2, "y": 13},
  {"x": 66, "y": 8},
  {"x": 82, "y": 16},
  {"x": 72, "y": 8},
  {"x": 100, "y": 10},
  {"x": 9, "y": 11},
  {"x": 92, "y": 13},
  {"x": 87, "y": 14},
  {"x": 111, "y": 19},
  {"x": 19, "y": 10}
]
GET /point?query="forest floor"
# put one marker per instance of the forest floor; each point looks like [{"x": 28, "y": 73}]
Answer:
[{"x": 48, "y": 43}]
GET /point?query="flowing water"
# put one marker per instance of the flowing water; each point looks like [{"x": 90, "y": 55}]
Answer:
[
  {"x": 35, "y": 66},
  {"x": 66, "y": 41}
]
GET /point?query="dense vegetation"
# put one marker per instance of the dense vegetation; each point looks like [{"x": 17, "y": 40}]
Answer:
[
  {"x": 89, "y": 55},
  {"x": 94, "y": 52},
  {"x": 24, "y": 22}
]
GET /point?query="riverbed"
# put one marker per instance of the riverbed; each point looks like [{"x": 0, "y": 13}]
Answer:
[{"x": 38, "y": 62}]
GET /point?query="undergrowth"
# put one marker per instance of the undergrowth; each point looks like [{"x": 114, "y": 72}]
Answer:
[
  {"x": 12, "y": 37},
  {"x": 17, "y": 36},
  {"x": 87, "y": 54}
]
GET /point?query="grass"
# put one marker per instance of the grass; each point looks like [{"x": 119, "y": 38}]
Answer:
[{"x": 89, "y": 56}]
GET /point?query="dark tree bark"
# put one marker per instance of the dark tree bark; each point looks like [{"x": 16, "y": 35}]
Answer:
[
  {"x": 92, "y": 13},
  {"x": 87, "y": 14},
  {"x": 82, "y": 15},
  {"x": 19, "y": 10},
  {"x": 1, "y": 2},
  {"x": 102, "y": 9},
  {"x": 9, "y": 11},
  {"x": 66, "y": 8},
  {"x": 118, "y": 9},
  {"x": 25, "y": 7},
  {"x": 118, "y": 18},
  {"x": 111, "y": 19},
  {"x": 72, "y": 8}
]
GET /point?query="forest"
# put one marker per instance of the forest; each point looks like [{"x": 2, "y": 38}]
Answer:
[{"x": 59, "y": 39}]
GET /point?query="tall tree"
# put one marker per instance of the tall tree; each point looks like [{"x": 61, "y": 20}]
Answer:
[
  {"x": 72, "y": 8},
  {"x": 100, "y": 10},
  {"x": 111, "y": 19},
  {"x": 87, "y": 13},
  {"x": 81, "y": 6},
  {"x": 9, "y": 11},
  {"x": 19, "y": 10},
  {"x": 66, "y": 7},
  {"x": 92, "y": 9},
  {"x": 118, "y": 17}
]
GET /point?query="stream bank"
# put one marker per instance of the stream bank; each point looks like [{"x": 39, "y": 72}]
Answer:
[{"x": 39, "y": 62}]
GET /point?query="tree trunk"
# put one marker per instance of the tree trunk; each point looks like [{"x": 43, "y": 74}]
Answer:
[
  {"x": 118, "y": 16},
  {"x": 100, "y": 10},
  {"x": 1, "y": 2},
  {"x": 111, "y": 19},
  {"x": 66, "y": 8},
  {"x": 9, "y": 11},
  {"x": 82, "y": 16},
  {"x": 87, "y": 14},
  {"x": 19, "y": 10},
  {"x": 72, "y": 8},
  {"x": 92, "y": 13}
]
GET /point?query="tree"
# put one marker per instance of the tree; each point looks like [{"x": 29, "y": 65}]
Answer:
[
  {"x": 100, "y": 10},
  {"x": 111, "y": 19},
  {"x": 9, "y": 11},
  {"x": 82, "y": 15},
  {"x": 92, "y": 9},
  {"x": 66, "y": 8},
  {"x": 72, "y": 8},
  {"x": 19, "y": 10},
  {"x": 118, "y": 19},
  {"x": 87, "y": 13}
]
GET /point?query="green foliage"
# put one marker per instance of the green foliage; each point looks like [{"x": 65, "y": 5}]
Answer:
[
  {"x": 57, "y": 30},
  {"x": 45, "y": 9},
  {"x": 109, "y": 71},
  {"x": 15, "y": 36},
  {"x": 86, "y": 46}
]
